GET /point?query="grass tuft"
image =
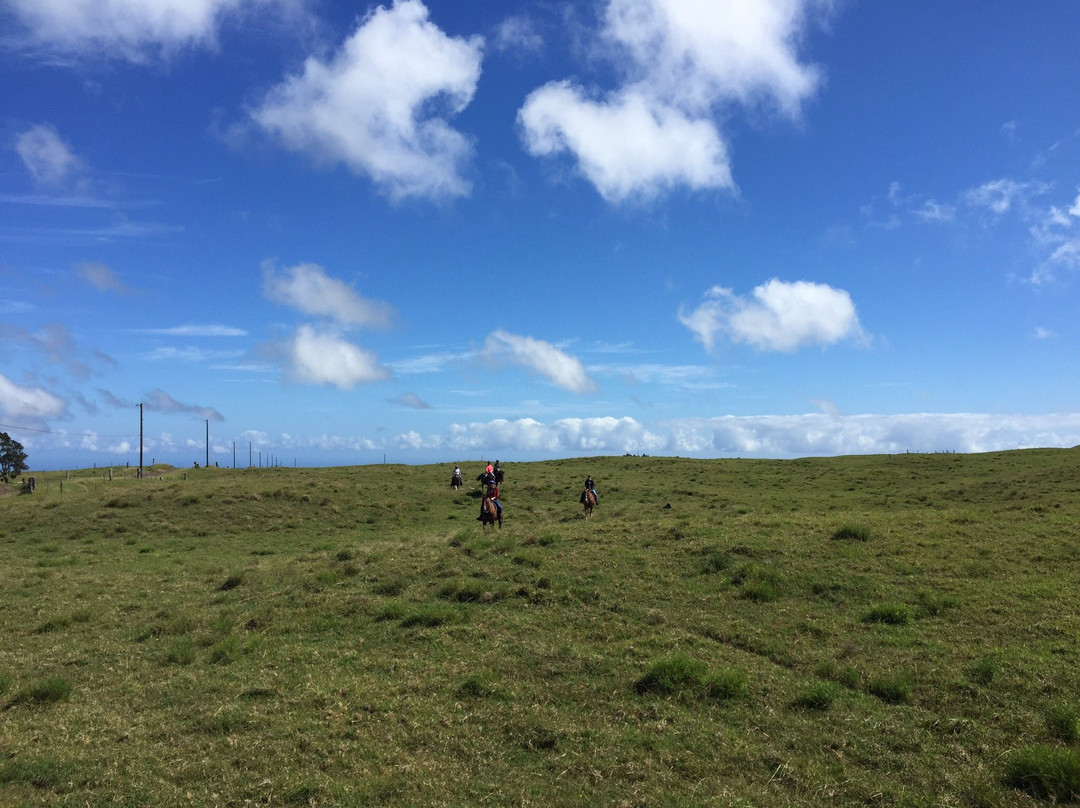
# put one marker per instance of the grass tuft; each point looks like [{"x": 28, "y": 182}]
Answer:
[
  {"x": 1045, "y": 772},
  {"x": 891, "y": 688},
  {"x": 819, "y": 696},
  {"x": 427, "y": 617},
  {"x": 890, "y": 614},
  {"x": 181, "y": 651},
  {"x": 983, "y": 671},
  {"x": 677, "y": 675},
  {"x": 671, "y": 675},
  {"x": 45, "y": 691},
  {"x": 724, "y": 685},
  {"x": 852, "y": 533},
  {"x": 40, "y": 773},
  {"x": 1063, "y": 722}
]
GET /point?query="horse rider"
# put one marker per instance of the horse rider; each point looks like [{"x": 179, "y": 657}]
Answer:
[
  {"x": 493, "y": 495},
  {"x": 591, "y": 486},
  {"x": 457, "y": 470}
]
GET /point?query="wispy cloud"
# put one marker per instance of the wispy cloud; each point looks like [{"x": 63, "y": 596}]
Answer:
[
  {"x": 102, "y": 278},
  {"x": 410, "y": 400},
  {"x": 191, "y": 354},
  {"x": 46, "y": 155},
  {"x": 307, "y": 288},
  {"x": 518, "y": 34},
  {"x": 431, "y": 362},
  {"x": 196, "y": 330},
  {"x": 541, "y": 357},
  {"x": 54, "y": 340},
  {"x": 159, "y": 401},
  {"x": 1001, "y": 195}
]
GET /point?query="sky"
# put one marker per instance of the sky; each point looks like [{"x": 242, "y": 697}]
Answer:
[{"x": 335, "y": 233}]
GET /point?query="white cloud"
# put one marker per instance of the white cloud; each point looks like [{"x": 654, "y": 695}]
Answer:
[
  {"x": 430, "y": 363},
  {"x": 932, "y": 211},
  {"x": 518, "y": 34},
  {"x": 1055, "y": 235},
  {"x": 779, "y": 316},
  {"x": 197, "y": 330},
  {"x": 379, "y": 105},
  {"x": 315, "y": 357},
  {"x": 803, "y": 435},
  {"x": 999, "y": 196},
  {"x": 309, "y": 289},
  {"x": 190, "y": 353},
  {"x": 543, "y": 358},
  {"x": 28, "y": 402},
  {"x": 777, "y": 436},
  {"x": 130, "y": 29},
  {"x": 685, "y": 61},
  {"x": 627, "y": 146},
  {"x": 681, "y": 377},
  {"x": 46, "y": 156},
  {"x": 702, "y": 53}
]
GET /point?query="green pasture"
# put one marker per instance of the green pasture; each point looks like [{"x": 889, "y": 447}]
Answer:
[{"x": 888, "y": 630}]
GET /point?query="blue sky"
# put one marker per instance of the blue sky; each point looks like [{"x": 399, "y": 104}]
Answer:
[{"x": 444, "y": 231}]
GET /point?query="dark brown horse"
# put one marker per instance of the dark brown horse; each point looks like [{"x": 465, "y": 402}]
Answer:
[
  {"x": 588, "y": 499},
  {"x": 489, "y": 514},
  {"x": 455, "y": 481},
  {"x": 499, "y": 477}
]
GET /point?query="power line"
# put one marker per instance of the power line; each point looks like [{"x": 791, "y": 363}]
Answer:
[{"x": 55, "y": 432}]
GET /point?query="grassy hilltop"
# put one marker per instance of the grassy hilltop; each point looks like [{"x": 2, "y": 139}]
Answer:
[{"x": 849, "y": 631}]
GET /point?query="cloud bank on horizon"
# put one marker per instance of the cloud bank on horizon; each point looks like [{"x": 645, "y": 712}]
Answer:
[{"x": 629, "y": 226}]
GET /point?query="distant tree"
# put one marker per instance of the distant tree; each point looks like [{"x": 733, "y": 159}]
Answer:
[{"x": 12, "y": 458}]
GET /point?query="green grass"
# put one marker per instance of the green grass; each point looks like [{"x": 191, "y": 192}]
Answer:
[
  {"x": 308, "y": 637},
  {"x": 1045, "y": 772}
]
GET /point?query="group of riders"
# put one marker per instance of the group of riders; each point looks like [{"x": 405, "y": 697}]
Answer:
[{"x": 492, "y": 478}]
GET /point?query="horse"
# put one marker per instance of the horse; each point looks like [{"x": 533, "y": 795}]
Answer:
[
  {"x": 489, "y": 514},
  {"x": 499, "y": 477},
  {"x": 588, "y": 499},
  {"x": 487, "y": 480},
  {"x": 456, "y": 481}
]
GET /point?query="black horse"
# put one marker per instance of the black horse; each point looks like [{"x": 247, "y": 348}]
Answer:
[{"x": 456, "y": 481}]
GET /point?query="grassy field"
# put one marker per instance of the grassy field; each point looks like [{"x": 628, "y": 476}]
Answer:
[{"x": 895, "y": 631}]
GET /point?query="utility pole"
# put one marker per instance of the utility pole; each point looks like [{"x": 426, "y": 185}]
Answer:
[
  {"x": 234, "y": 454},
  {"x": 140, "y": 439},
  {"x": 208, "y": 443}
]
